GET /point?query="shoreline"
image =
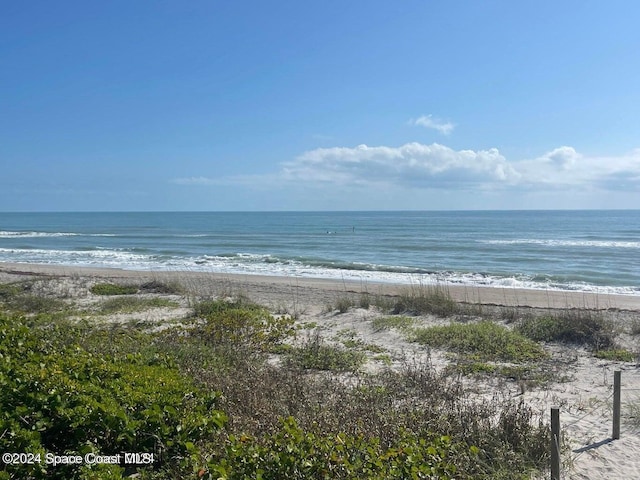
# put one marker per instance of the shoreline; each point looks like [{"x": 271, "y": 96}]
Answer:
[{"x": 264, "y": 286}]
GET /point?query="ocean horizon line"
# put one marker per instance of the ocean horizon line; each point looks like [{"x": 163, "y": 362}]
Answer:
[{"x": 419, "y": 210}]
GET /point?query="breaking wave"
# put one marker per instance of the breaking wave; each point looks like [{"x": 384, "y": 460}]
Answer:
[{"x": 265, "y": 264}]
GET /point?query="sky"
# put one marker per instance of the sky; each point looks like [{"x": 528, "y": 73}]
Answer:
[{"x": 169, "y": 105}]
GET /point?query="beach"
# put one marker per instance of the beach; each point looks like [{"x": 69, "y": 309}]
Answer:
[
  {"x": 312, "y": 240},
  {"x": 313, "y": 291},
  {"x": 583, "y": 395}
]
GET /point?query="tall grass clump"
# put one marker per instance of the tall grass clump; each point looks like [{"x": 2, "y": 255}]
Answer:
[
  {"x": 420, "y": 300},
  {"x": 633, "y": 413},
  {"x": 341, "y": 304}
]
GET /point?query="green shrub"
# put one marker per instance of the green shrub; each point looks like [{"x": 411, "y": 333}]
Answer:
[
  {"x": 387, "y": 323},
  {"x": 295, "y": 453},
  {"x": 616, "y": 354},
  {"x": 64, "y": 399},
  {"x": 572, "y": 326},
  {"x": 241, "y": 323},
  {"x": 315, "y": 354},
  {"x": 113, "y": 289},
  {"x": 485, "y": 339}
]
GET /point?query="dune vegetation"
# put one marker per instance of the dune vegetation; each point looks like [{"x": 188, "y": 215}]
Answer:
[{"x": 228, "y": 389}]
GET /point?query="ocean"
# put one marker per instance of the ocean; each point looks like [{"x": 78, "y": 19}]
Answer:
[{"x": 591, "y": 251}]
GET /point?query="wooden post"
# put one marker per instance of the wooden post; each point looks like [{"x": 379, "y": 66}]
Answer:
[
  {"x": 616, "y": 404},
  {"x": 555, "y": 443}
]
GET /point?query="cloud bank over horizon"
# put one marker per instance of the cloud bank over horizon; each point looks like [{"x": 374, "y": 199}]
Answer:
[{"x": 437, "y": 166}]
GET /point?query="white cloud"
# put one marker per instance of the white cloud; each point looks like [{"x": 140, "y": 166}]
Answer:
[
  {"x": 428, "y": 121},
  {"x": 414, "y": 164},
  {"x": 436, "y": 166},
  {"x": 565, "y": 168},
  {"x": 563, "y": 157},
  {"x": 439, "y": 166}
]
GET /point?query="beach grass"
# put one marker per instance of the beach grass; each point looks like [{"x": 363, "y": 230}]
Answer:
[
  {"x": 633, "y": 413},
  {"x": 426, "y": 299},
  {"x": 421, "y": 299},
  {"x": 341, "y": 304}
]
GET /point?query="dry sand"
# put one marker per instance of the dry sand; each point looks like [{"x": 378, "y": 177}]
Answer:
[
  {"x": 314, "y": 291},
  {"x": 585, "y": 398}
]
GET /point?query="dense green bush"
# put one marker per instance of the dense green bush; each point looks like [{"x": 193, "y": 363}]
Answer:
[
  {"x": 239, "y": 323},
  {"x": 63, "y": 399},
  {"x": 293, "y": 453}
]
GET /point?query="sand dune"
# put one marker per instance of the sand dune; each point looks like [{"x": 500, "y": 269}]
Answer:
[{"x": 585, "y": 397}]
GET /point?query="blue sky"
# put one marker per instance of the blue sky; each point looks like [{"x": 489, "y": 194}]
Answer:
[{"x": 332, "y": 105}]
